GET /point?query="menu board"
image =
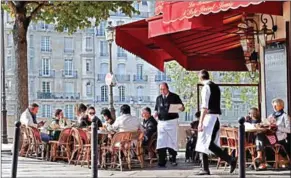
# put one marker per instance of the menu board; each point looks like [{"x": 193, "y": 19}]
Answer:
[{"x": 275, "y": 74}]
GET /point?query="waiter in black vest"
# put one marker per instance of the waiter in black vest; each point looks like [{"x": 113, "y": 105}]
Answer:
[
  {"x": 167, "y": 125},
  {"x": 209, "y": 126}
]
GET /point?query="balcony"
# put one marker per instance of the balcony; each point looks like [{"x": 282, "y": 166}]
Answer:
[
  {"x": 140, "y": 78},
  {"x": 70, "y": 73},
  {"x": 102, "y": 99},
  {"x": 69, "y": 51},
  {"x": 119, "y": 99},
  {"x": 46, "y": 50},
  {"x": 122, "y": 78},
  {"x": 162, "y": 78},
  {"x": 54, "y": 95},
  {"x": 47, "y": 73},
  {"x": 101, "y": 77}
]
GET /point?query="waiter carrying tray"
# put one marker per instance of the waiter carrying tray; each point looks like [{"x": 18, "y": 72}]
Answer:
[
  {"x": 209, "y": 126},
  {"x": 168, "y": 105}
]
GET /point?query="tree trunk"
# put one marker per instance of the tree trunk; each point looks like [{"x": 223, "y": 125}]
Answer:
[{"x": 21, "y": 72}]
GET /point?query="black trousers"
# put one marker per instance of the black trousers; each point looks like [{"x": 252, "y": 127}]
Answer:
[
  {"x": 163, "y": 155},
  {"x": 214, "y": 149}
]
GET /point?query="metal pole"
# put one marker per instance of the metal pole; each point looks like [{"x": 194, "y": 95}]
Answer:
[
  {"x": 94, "y": 151},
  {"x": 111, "y": 107},
  {"x": 3, "y": 111},
  {"x": 242, "y": 172},
  {"x": 15, "y": 149}
]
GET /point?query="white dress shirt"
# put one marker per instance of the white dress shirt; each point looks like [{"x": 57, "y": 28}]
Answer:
[
  {"x": 125, "y": 123},
  {"x": 26, "y": 119},
  {"x": 205, "y": 94}
]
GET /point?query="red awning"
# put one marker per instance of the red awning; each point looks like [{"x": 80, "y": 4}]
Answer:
[{"x": 195, "y": 41}]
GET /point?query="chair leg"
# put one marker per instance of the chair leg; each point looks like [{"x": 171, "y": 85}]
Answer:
[
  {"x": 120, "y": 160},
  {"x": 128, "y": 158}
]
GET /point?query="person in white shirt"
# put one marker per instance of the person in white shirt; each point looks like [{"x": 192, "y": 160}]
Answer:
[
  {"x": 28, "y": 118},
  {"x": 124, "y": 123}
]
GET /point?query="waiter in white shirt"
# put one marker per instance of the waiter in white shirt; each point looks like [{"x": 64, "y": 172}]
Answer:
[
  {"x": 167, "y": 125},
  {"x": 209, "y": 126}
]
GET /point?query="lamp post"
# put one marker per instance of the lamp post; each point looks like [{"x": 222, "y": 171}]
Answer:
[
  {"x": 3, "y": 111},
  {"x": 110, "y": 35}
]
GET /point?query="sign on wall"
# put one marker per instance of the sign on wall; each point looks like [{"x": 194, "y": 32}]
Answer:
[{"x": 275, "y": 75}]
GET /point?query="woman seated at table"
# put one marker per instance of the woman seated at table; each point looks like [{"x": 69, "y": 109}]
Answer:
[
  {"x": 107, "y": 116},
  {"x": 59, "y": 122},
  {"x": 254, "y": 116},
  {"x": 280, "y": 123},
  {"x": 91, "y": 116},
  {"x": 83, "y": 119}
]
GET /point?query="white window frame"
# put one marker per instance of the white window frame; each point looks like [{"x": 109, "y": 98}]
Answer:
[
  {"x": 46, "y": 87},
  {"x": 9, "y": 40},
  {"x": 104, "y": 93},
  {"x": 45, "y": 44},
  {"x": 121, "y": 90},
  {"x": 88, "y": 89},
  {"x": 121, "y": 52},
  {"x": 46, "y": 110},
  {"x": 69, "y": 111},
  {"x": 68, "y": 67},
  {"x": 68, "y": 44},
  {"x": 120, "y": 70},
  {"x": 101, "y": 29},
  {"x": 89, "y": 43},
  {"x": 88, "y": 66},
  {"x": 104, "y": 48},
  {"x": 139, "y": 71},
  {"x": 46, "y": 66},
  {"x": 9, "y": 62}
]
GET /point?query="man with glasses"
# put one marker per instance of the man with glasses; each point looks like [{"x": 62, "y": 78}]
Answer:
[{"x": 91, "y": 116}]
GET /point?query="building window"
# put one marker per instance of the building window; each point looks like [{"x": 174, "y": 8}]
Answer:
[
  {"x": 31, "y": 64},
  {"x": 31, "y": 41},
  {"x": 46, "y": 110},
  {"x": 9, "y": 40},
  {"x": 8, "y": 62},
  {"x": 120, "y": 22},
  {"x": 68, "y": 44},
  {"x": 69, "y": 111},
  {"x": 121, "y": 93},
  {"x": 88, "y": 65},
  {"x": 69, "y": 88},
  {"x": 43, "y": 26},
  {"x": 136, "y": 5},
  {"x": 139, "y": 69},
  {"x": 121, "y": 52},
  {"x": 46, "y": 87},
  {"x": 144, "y": 3},
  {"x": 121, "y": 69},
  {"x": 101, "y": 29},
  {"x": 89, "y": 43},
  {"x": 104, "y": 68},
  {"x": 45, "y": 44},
  {"x": 88, "y": 89},
  {"x": 103, "y": 48},
  {"x": 31, "y": 88},
  {"x": 139, "y": 93},
  {"x": 104, "y": 93},
  {"x": 46, "y": 67},
  {"x": 68, "y": 67}
]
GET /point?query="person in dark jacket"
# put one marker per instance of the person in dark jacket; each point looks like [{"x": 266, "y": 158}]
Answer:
[
  {"x": 91, "y": 116},
  {"x": 149, "y": 124}
]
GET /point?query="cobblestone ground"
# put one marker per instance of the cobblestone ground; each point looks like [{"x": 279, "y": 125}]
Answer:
[{"x": 28, "y": 167}]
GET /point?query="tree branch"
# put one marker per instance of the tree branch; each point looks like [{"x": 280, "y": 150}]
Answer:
[
  {"x": 35, "y": 11},
  {"x": 12, "y": 6}
]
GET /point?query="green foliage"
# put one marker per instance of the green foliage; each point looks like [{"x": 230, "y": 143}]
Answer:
[
  {"x": 74, "y": 15},
  {"x": 185, "y": 83}
]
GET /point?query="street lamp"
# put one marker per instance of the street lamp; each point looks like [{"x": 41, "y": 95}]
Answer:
[
  {"x": 110, "y": 35},
  {"x": 3, "y": 111}
]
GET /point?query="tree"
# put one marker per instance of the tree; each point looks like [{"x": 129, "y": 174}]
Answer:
[
  {"x": 185, "y": 83},
  {"x": 72, "y": 15}
]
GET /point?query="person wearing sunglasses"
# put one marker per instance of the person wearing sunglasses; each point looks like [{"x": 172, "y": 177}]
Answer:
[{"x": 91, "y": 116}]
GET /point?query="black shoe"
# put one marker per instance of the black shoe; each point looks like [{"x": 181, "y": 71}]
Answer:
[
  {"x": 161, "y": 165},
  {"x": 203, "y": 172},
  {"x": 233, "y": 164}
]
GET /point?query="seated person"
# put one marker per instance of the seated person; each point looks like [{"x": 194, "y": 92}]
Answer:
[
  {"x": 124, "y": 123},
  {"x": 28, "y": 118},
  {"x": 107, "y": 116},
  {"x": 83, "y": 120},
  {"x": 254, "y": 116},
  {"x": 280, "y": 123},
  {"x": 192, "y": 138},
  {"x": 149, "y": 125},
  {"x": 58, "y": 122},
  {"x": 91, "y": 115}
]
